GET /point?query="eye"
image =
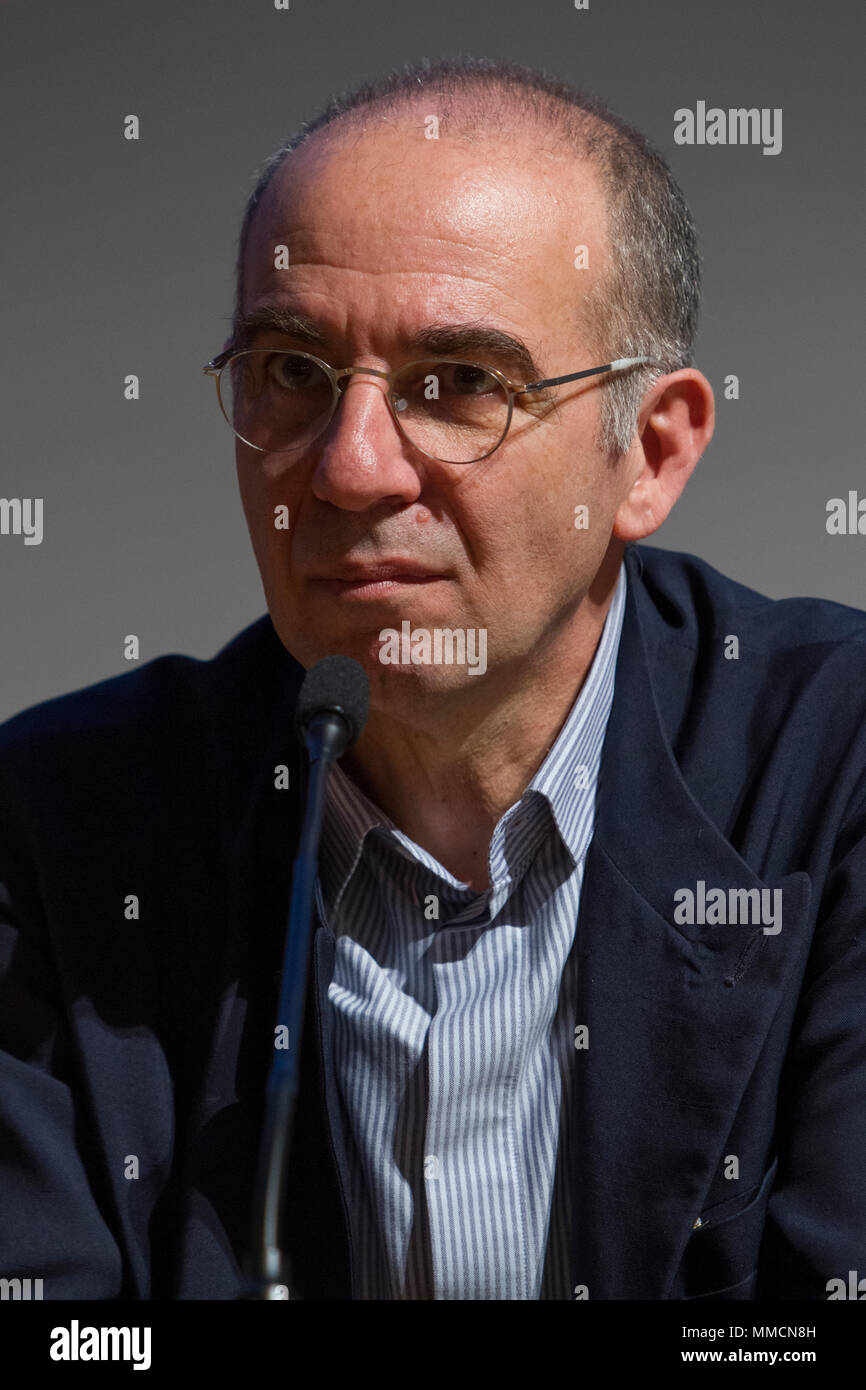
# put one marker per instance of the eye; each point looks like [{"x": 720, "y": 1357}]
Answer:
[
  {"x": 467, "y": 379},
  {"x": 292, "y": 372},
  {"x": 471, "y": 381}
]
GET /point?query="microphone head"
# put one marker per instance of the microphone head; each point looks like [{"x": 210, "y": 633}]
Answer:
[{"x": 336, "y": 683}]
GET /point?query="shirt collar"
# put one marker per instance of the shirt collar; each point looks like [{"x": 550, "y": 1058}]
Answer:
[{"x": 568, "y": 775}]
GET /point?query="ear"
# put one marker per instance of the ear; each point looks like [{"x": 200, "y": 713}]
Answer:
[{"x": 675, "y": 425}]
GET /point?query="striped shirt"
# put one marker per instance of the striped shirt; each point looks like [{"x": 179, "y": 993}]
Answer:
[{"x": 455, "y": 1028}]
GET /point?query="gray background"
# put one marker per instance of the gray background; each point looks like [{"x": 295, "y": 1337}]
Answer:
[{"x": 117, "y": 257}]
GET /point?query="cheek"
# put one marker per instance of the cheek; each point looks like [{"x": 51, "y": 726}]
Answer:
[
  {"x": 547, "y": 536},
  {"x": 258, "y": 517},
  {"x": 270, "y": 506},
  {"x": 552, "y": 534},
  {"x": 251, "y": 482}
]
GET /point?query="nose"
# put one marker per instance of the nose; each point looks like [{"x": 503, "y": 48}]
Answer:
[{"x": 362, "y": 458}]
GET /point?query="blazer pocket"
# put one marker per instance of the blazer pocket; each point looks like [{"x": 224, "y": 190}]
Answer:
[
  {"x": 744, "y": 1290},
  {"x": 723, "y": 1251}
]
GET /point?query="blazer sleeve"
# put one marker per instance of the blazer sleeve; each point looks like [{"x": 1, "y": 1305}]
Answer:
[
  {"x": 816, "y": 1218},
  {"x": 51, "y": 1225}
]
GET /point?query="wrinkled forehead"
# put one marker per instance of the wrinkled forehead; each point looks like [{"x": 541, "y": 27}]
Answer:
[{"x": 404, "y": 193}]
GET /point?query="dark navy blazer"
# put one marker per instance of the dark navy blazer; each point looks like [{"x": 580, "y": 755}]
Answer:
[{"x": 143, "y": 1045}]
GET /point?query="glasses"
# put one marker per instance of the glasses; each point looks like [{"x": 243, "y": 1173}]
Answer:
[{"x": 452, "y": 411}]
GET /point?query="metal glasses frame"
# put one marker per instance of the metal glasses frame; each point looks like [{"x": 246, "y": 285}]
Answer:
[{"x": 335, "y": 375}]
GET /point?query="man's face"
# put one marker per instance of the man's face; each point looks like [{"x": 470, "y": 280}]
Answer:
[{"x": 389, "y": 233}]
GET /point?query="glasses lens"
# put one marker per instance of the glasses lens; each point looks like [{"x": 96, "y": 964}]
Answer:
[
  {"x": 453, "y": 411},
  {"x": 277, "y": 401}
]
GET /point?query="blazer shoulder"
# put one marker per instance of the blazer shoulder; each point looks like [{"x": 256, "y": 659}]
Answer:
[
  {"x": 694, "y": 595},
  {"x": 171, "y": 702}
]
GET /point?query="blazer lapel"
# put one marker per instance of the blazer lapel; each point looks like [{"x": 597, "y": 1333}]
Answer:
[{"x": 676, "y": 1014}]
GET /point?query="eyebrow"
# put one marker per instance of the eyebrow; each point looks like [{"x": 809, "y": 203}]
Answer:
[
  {"x": 478, "y": 340},
  {"x": 481, "y": 341},
  {"x": 275, "y": 318}
]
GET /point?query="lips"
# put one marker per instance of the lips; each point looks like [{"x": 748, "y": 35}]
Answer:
[
  {"x": 384, "y": 582},
  {"x": 403, "y": 571}
]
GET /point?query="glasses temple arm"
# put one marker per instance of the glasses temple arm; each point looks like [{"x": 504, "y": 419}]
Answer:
[{"x": 618, "y": 365}]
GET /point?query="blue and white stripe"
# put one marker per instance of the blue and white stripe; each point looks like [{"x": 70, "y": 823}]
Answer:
[{"x": 455, "y": 1037}]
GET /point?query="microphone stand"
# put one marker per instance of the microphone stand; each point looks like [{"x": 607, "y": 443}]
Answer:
[{"x": 327, "y": 735}]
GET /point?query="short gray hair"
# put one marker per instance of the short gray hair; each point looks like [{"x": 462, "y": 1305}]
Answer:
[{"x": 647, "y": 305}]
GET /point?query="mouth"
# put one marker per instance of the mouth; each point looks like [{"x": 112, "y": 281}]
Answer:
[
  {"x": 377, "y": 586},
  {"x": 375, "y": 581}
]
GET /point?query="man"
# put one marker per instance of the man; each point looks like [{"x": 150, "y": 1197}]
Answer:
[{"x": 586, "y": 1014}]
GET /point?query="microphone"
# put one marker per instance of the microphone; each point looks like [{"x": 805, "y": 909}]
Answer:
[
  {"x": 336, "y": 691},
  {"x": 329, "y": 717}
]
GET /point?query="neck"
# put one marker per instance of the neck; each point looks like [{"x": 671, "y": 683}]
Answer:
[{"x": 446, "y": 778}]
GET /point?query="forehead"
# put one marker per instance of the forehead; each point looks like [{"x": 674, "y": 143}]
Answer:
[{"x": 499, "y": 216}]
